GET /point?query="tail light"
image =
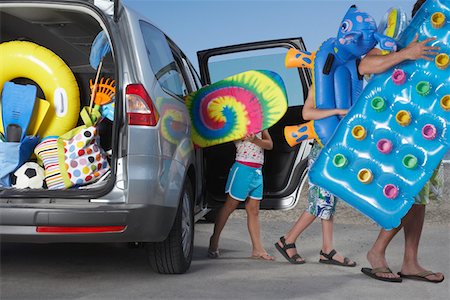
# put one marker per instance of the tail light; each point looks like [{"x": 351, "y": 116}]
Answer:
[{"x": 140, "y": 109}]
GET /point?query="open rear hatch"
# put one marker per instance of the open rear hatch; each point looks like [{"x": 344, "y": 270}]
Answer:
[{"x": 49, "y": 66}]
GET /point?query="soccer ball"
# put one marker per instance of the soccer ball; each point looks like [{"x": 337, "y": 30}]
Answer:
[{"x": 29, "y": 175}]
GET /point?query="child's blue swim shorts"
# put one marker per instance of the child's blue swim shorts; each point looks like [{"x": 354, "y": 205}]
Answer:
[{"x": 244, "y": 181}]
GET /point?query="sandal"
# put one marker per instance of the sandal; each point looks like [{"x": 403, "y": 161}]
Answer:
[
  {"x": 292, "y": 259},
  {"x": 332, "y": 261}
]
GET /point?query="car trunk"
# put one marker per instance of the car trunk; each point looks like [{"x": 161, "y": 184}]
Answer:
[{"x": 67, "y": 30}]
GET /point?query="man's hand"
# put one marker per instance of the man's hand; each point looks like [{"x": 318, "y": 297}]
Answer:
[{"x": 419, "y": 50}]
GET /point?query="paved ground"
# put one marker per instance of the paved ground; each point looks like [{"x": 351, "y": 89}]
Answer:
[
  {"x": 88, "y": 271},
  {"x": 116, "y": 272},
  {"x": 436, "y": 213}
]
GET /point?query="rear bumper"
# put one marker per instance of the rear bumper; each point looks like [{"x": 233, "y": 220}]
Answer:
[{"x": 142, "y": 223}]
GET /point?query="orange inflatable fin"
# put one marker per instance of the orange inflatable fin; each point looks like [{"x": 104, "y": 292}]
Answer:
[
  {"x": 41, "y": 107},
  {"x": 297, "y": 133},
  {"x": 299, "y": 59}
]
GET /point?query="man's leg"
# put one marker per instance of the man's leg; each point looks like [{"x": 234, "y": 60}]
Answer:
[
  {"x": 377, "y": 254},
  {"x": 413, "y": 225}
]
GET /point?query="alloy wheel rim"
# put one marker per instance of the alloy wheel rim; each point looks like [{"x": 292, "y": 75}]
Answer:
[{"x": 186, "y": 225}]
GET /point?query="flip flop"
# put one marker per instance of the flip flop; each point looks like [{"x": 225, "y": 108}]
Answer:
[
  {"x": 292, "y": 259},
  {"x": 421, "y": 276},
  {"x": 331, "y": 261},
  {"x": 372, "y": 273}
]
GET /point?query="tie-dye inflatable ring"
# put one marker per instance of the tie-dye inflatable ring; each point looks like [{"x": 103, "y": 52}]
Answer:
[{"x": 241, "y": 104}]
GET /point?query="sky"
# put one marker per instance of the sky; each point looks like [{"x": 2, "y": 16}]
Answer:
[{"x": 197, "y": 25}]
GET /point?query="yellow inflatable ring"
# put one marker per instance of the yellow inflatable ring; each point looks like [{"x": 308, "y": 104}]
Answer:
[{"x": 54, "y": 77}]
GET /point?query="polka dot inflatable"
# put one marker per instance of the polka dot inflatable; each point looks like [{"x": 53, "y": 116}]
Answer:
[
  {"x": 387, "y": 147},
  {"x": 241, "y": 104}
]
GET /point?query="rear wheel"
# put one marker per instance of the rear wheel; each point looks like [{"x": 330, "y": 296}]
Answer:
[{"x": 174, "y": 254}]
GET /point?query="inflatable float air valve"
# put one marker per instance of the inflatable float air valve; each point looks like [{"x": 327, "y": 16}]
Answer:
[
  {"x": 445, "y": 102},
  {"x": 378, "y": 104},
  {"x": 339, "y": 160},
  {"x": 409, "y": 161},
  {"x": 365, "y": 176},
  {"x": 390, "y": 191},
  {"x": 359, "y": 132},
  {"x": 384, "y": 146},
  {"x": 399, "y": 77},
  {"x": 423, "y": 88},
  {"x": 441, "y": 61},
  {"x": 403, "y": 118},
  {"x": 429, "y": 132},
  {"x": 437, "y": 20}
]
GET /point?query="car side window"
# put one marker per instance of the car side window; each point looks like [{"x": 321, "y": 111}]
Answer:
[
  {"x": 162, "y": 61},
  {"x": 185, "y": 72},
  {"x": 272, "y": 59}
]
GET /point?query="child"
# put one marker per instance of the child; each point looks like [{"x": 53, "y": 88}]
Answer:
[
  {"x": 245, "y": 183},
  {"x": 321, "y": 204}
]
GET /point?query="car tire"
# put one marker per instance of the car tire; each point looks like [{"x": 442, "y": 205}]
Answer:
[{"x": 174, "y": 254}]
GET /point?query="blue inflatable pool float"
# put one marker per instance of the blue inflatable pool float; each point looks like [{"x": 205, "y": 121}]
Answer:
[
  {"x": 387, "y": 147},
  {"x": 336, "y": 82}
]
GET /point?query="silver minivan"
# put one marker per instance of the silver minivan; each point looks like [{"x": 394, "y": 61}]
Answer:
[
  {"x": 154, "y": 187},
  {"x": 159, "y": 184}
]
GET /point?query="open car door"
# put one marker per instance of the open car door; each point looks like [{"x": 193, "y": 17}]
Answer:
[{"x": 285, "y": 167}]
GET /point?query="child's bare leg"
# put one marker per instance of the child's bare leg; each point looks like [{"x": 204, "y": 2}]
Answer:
[
  {"x": 221, "y": 219},
  {"x": 254, "y": 228},
  {"x": 327, "y": 240},
  {"x": 302, "y": 223},
  {"x": 327, "y": 235}
]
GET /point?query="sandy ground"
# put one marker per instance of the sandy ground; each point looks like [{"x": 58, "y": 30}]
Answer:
[{"x": 437, "y": 213}]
